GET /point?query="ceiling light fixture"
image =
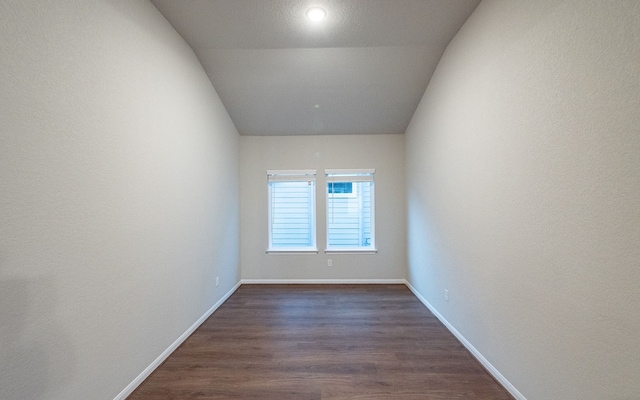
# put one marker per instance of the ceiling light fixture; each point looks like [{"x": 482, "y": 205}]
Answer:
[{"x": 316, "y": 14}]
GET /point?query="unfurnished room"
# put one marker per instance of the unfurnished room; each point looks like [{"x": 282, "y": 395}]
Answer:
[{"x": 320, "y": 199}]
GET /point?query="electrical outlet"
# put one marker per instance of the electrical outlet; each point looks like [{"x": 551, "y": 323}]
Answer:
[
  {"x": 446, "y": 295},
  {"x": 217, "y": 281},
  {"x": 329, "y": 263}
]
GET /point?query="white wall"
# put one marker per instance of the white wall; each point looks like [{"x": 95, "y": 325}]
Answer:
[
  {"x": 524, "y": 194},
  {"x": 118, "y": 195},
  {"x": 385, "y": 153}
]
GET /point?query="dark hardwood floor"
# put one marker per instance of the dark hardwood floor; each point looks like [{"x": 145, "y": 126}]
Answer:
[{"x": 304, "y": 342}]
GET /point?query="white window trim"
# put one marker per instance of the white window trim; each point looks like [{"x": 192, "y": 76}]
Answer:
[
  {"x": 292, "y": 251},
  {"x": 351, "y": 175},
  {"x": 351, "y": 251},
  {"x": 292, "y": 176}
]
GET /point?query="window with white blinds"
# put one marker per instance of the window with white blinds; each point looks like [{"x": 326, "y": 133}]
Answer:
[
  {"x": 292, "y": 210},
  {"x": 350, "y": 210}
]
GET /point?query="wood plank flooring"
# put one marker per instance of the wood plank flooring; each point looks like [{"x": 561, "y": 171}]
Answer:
[{"x": 308, "y": 342}]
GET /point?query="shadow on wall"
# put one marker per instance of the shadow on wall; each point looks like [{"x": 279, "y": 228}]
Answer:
[{"x": 35, "y": 353}]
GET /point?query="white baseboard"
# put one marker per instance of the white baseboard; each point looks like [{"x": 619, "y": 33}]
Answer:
[
  {"x": 487, "y": 365},
  {"x": 156, "y": 363},
  {"x": 323, "y": 281}
]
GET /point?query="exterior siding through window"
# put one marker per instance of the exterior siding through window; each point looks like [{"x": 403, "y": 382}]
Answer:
[
  {"x": 291, "y": 219},
  {"x": 350, "y": 210},
  {"x": 349, "y": 218}
]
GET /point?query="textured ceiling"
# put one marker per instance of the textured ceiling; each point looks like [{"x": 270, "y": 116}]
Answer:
[{"x": 362, "y": 70}]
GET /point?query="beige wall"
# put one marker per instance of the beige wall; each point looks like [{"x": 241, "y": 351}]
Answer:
[
  {"x": 523, "y": 176},
  {"x": 385, "y": 153},
  {"x": 118, "y": 195}
]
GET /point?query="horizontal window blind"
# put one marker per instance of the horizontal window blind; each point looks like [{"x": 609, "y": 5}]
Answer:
[
  {"x": 291, "y": 210},
  {"x": 291, "y": 176},
  {"x": 349, "y": 175}
]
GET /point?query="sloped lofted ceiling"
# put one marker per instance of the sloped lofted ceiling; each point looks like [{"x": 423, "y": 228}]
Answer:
[{"x": 361, "y": 70}]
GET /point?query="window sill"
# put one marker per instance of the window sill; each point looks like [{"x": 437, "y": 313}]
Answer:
[
  {"x": 350, "y": 251},
  {"x": 292, "y": 251}
]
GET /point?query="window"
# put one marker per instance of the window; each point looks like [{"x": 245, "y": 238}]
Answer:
[
  {"x": 292, "y": 211},
  {"x": 350, "y": 211}
]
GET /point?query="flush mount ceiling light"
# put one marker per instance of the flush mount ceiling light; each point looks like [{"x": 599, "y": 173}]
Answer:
[{"x": 316, "y": 13}]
